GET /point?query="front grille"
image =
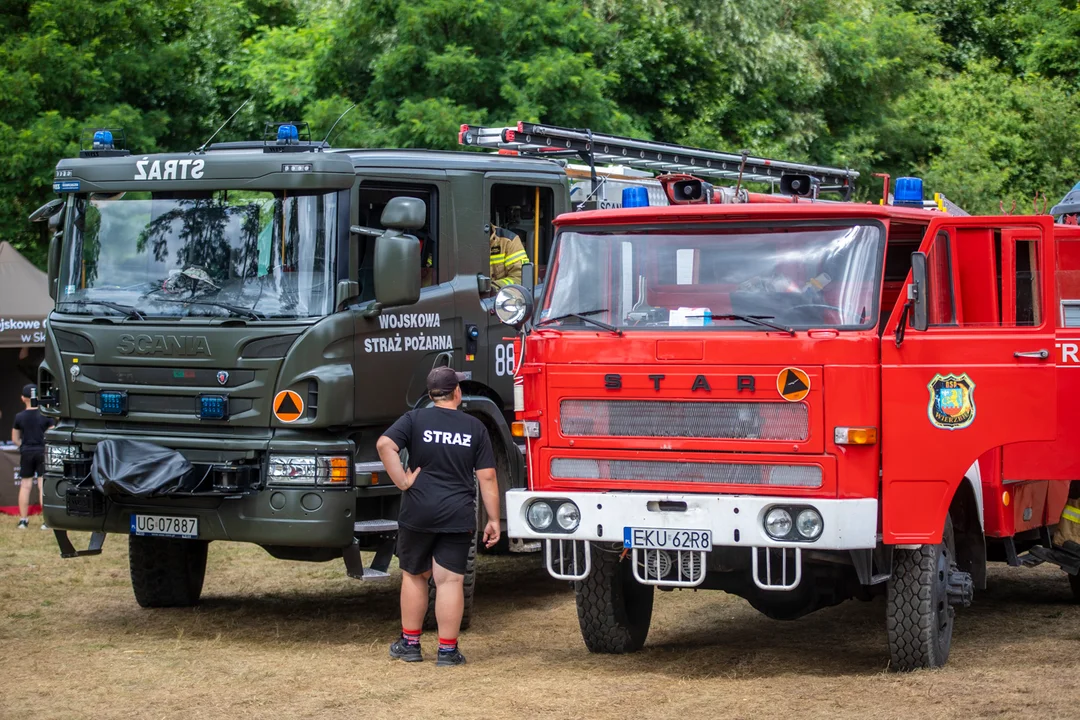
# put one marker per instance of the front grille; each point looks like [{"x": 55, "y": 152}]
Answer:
[
  {"x": 690, "y": 472},
  {"x": 674, "y": 419}
]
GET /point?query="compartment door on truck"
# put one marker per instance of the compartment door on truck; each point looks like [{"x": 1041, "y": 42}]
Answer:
[
  {"x": 396, "y": 349},
  {"x": 981, "y": 376}
]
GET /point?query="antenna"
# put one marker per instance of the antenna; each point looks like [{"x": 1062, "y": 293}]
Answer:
[
  {"x": 336, "y": 122},
  {"x": 203, "y": 146}
]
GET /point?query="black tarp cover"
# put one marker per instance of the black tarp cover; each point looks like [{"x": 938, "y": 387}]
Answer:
[{"x": 134, "y": 467}]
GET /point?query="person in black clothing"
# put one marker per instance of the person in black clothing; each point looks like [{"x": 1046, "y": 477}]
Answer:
[
  {"x": 437, "y": 522},
  {"x": 29, "y": 434}
]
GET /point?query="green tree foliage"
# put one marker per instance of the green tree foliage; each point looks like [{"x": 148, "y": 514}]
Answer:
[{"x": 977, "y": 96}]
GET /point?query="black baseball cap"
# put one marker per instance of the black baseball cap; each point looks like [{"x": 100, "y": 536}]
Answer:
[
  {"x": 28, "y": 390},
  {"x": 443, "y": 381}
]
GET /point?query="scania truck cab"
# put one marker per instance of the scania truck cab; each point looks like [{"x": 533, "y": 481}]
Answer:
[
  {"x": 266, "y": 310},
  {"x": 798, "y": 402}
]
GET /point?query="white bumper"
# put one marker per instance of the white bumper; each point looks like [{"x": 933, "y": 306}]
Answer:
[{"x": 735, "y": 520}]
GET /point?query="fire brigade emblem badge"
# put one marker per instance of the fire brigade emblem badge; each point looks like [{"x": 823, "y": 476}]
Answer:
[
  {"x": 952, "y": 401},
  {"x": 222, "y": 377}
]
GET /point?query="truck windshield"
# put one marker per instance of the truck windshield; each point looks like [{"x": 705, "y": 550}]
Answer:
[
  {"x": 793, "y": 276},
  {"x": 226, "y": 252}
]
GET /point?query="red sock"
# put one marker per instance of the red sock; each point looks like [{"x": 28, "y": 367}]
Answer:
[
  {"x": 447, "y": 645},
  {"x": 411, "y": 637}
]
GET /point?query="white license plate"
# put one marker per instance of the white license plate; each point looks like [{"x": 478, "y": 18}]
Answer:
[
  {"x": 165, "y": 526},
  {"x": 660, "y": 539}
]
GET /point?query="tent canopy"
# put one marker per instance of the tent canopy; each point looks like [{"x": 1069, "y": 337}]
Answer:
[{"x": 24, "y": 300}]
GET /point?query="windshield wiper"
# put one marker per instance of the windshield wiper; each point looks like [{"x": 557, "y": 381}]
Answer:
[
  {"x": 126, "y": 310},
  {"x": 234, "y": 309},
  {"x": 762, "y": 320},
  {"x": 584, "y": 317}
]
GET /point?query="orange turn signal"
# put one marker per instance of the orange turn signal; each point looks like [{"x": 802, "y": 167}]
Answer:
[
  {"x": 855, "y": 436},
  {"x": 339, "y": 471},
  {"x": 525, "y": 428}
]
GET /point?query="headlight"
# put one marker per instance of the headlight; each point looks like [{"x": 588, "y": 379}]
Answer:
[
  {"x": 308, "y": 470},
  {"x": 809, "y": 524},
  {"x": 778, "y": 523},
  {"x": 540, "y": 516},
  {"x": 568, "y": 516},
  {"x": 56, "y": 454},
  {"x": 514, "y": 305}
]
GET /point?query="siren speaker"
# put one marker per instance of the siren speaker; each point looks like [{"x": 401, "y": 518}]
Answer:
[{"x": 798, "y": 184}]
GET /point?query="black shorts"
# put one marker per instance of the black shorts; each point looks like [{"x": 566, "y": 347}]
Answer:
[
  {"x": 415, "y": 549},
  {"x": 32, "y": 465}
]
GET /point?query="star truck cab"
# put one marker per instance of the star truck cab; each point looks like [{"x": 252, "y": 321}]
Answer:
[{"x": 798, "y": 402}]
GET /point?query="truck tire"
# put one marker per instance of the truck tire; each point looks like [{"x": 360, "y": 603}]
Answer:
[
  {"x": 614, "y": 610},
  {"x": 919, "y": 618},
  {"x": 166, "y": 572},
  {"x": 430, "y": 623}
]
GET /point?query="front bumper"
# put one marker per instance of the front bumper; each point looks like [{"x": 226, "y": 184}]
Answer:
[
  {"x": 735, "y": 520},
  {"x": 299, "y": 517}
]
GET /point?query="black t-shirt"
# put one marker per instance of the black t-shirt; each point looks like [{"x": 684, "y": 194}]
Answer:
[
  {"x": 32, "y": 424},
  {"x": 448, "y": 446}
]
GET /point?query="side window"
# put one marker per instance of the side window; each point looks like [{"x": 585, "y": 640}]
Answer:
[
  {"x": 1068, "y": 281},
  {"x": 526, "y": 213},
  {"x": 1018, "y": 279},
  {"x": 373, "y": 197},
  {"x": 941, "y": 309}
]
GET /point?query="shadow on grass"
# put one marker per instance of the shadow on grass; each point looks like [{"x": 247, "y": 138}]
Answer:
[
  {"x": 320, "y": 611},
  {"x": 730, "y": 639}
]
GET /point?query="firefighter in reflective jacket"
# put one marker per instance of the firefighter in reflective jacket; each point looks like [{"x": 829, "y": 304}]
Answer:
[{"x": 507, "y": 257}]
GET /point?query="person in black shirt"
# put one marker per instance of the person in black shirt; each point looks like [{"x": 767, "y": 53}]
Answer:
[
  {"x": 437, "y": 522},
  {"x": 29, "y": 434}
]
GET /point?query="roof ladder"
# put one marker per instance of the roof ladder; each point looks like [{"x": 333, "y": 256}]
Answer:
[{"x": 549, "y": 141}]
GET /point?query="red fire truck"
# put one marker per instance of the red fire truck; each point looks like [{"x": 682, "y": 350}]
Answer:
[{"x": 795, "y": 401}]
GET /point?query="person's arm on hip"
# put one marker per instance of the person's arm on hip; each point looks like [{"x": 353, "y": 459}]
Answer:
[
  {"x": 390, "y": 454},
  {"x": 489, "y": 493},
  {"x": 16, "y": 437}
]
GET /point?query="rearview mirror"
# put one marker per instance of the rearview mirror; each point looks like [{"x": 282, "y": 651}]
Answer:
[
  {"x": 46, "y": 211},
  {"x": 54, "y": 262},
  {"x": 404, "y": 213},
  {"x": 528, "y": 276},
  {"x": 918, "y": 291},
  {"x": 397, "y": 269}
]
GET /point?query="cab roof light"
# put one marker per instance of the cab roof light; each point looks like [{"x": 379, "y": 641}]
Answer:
[
  {"x": 855, "y": 435},
  {"x": 102, "y": 142},
  {"x": 908, "y": 192}
]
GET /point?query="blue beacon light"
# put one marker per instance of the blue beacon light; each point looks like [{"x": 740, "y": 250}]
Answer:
[
  {"x": 103, "y": 140},
  {"x": 908, "y": 192},
  {"x": 633, "y": 197},
  {"x": 287, "y": 134}
]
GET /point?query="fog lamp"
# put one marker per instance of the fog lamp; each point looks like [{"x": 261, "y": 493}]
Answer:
[
  {"x": 539, "y": 515},
  {"x": 568, "y": 516},
  {"x": 809, "y": 524},
  {"x": 778, "y": 523},
  {"x": 213, "y": 407},
  {"x": 111, "y": 402}
]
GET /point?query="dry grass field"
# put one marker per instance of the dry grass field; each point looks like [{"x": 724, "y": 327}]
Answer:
[{"x": 291, "y": 640}]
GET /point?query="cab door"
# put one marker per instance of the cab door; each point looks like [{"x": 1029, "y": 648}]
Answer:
[{"x": 981, "y": 376}]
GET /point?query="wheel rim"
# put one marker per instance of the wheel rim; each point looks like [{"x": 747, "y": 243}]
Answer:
[{"x": 943, "y": 611}]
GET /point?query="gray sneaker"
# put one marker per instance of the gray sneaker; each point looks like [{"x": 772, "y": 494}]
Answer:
[
  {"x": 401, "y": 650},
  {"x": 449, "y": 658}
]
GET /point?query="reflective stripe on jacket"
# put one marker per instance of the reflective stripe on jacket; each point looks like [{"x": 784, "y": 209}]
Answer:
[{"x": 507, "y": 256}]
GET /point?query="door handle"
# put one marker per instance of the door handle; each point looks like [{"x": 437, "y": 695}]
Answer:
[{"x": 1037, "y": 354}]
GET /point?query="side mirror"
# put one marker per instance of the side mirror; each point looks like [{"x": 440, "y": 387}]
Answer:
[
  {"x": 404, "y": 213},
  {"x": 54, "y": 262},
  {"x": 346, "y": 290},
  {"x": 483, "y": 284},
  {"x": 918, "y": 291},
  {"x": 46, "y": 211},
  {"x": 528, "y": 276},
  {"x": 397, "y": 269}
]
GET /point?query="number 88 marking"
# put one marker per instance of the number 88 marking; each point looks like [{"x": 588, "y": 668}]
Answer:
[{"x": 504, "y": 360}]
